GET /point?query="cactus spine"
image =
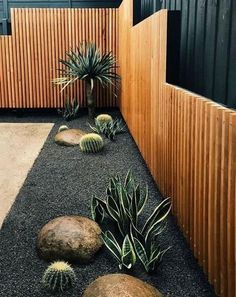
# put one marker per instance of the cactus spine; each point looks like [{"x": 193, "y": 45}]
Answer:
[
  {"x": 91, "y": 143},
  {"x": 58, "y": 277}
]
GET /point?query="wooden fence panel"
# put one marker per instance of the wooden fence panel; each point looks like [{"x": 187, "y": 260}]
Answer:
[
  {"x": 187, "y": 141},
  {"x": 29, "y": 58}
]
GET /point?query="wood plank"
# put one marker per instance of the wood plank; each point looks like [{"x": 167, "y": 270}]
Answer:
[
  {"x": 192, "y": 155},
  {"x": 224, "y": 201},
  {"x": 231, "y": 240},
  {"x": 39, "y": 38}
]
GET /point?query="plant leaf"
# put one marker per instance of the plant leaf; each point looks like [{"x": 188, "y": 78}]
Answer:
[
  {"x": 112, "y": 245},
  {"x": 128, "y": 253},
  {"x": 141, "y": 253},
  {"x": 157, "y": 258},
  {"x": 158, "y": 215},
  {"x": 142, "y": 200}
]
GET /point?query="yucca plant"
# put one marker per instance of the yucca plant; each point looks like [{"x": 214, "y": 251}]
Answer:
[
  {"x": 123, "y": 205},
  {"x": 108, "y": 129},
  {"x": 70, "y": 110},
  {"x": 125, "y": 254},
  {"x": 87, "y": 63}
]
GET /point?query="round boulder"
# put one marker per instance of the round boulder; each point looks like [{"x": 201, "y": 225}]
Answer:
[
  {"x": 120, "y": 285},
  {"x": 69, "y": 137},
  {"x": 69, "y": 238}
]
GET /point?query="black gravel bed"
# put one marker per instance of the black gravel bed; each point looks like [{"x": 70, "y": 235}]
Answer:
[{"x": 62, "y": 182}]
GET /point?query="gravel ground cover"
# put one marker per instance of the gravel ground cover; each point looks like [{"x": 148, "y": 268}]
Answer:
[{"x": 62, "y": 182}]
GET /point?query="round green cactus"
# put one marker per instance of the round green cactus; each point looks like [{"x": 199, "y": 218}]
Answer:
[
  {"x": 91, "y": 143},
  {"x": 62, "y": 128},
  {"x": 103, "y": 118},
  {"x": 58, "y": 277}
]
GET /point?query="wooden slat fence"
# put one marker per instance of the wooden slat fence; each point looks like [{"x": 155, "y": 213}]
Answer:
[
  {"x": 188, "y": 143},
  {"x": 29, "y": 58}
]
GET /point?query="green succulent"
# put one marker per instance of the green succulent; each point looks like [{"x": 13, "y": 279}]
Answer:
[
  {"x": 70, "y": 110},
  {"x": 108, "y": 128},
  {"x": 150, "y": 254},
  {"x": 63, "y": 128},
  {"x": 125, "y": 254},
  {"x": 59, "y": 277},
  {"x": 103, "y": 118},
  {"x": 91, "y": 143},
  {"x": 123, "y": 206}
]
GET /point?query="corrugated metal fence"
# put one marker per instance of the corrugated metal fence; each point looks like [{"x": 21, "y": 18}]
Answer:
[{"x": 208, "y": 45}]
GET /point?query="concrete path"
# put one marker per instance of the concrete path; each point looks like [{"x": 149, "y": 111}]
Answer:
[{"x": 20, "y": 145}]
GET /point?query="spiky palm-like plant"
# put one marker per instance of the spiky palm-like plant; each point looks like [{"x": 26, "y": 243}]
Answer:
[{"x": 87, "y": 63}]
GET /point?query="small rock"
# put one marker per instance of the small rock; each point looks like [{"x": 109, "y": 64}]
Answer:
[
  {"x": 120, "y": 285},
  {"x": 69, "y": 238},
  {"x": 70, "y": 137}
]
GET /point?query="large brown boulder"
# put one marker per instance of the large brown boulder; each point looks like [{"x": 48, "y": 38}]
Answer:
[
  {"x": 70, "y": 137},
  {"x": 70, "y": 238},
  {"x": 120, "y": 285}
]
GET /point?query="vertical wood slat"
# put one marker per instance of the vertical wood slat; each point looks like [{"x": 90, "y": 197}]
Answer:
[
  {"x": 188, "y": 143},
  {"x": 29, "y": 57}
]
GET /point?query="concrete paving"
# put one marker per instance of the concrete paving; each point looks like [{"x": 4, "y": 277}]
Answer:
[{"x": 20, "y": 144}]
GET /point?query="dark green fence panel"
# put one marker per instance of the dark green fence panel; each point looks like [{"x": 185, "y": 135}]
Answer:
[{"x": 208, "y": 45}]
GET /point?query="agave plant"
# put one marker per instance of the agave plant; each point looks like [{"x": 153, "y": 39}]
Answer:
[
  {"x": 125, "y": 254},
  {"x": 123, "y": 205},
  {"x": 70, "y": 110},
  {"x": 87, "y": 63},
  {"x": 109, "y": 129}
]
